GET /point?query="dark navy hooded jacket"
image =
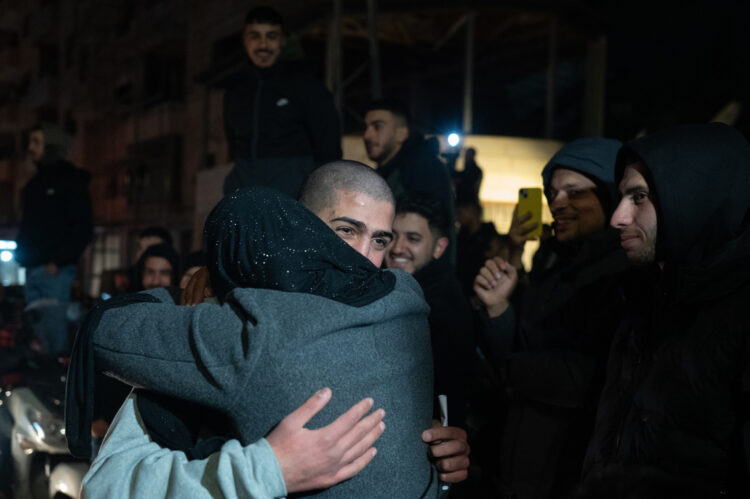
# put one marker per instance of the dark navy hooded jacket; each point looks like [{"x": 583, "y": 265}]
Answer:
[{"x": 678, "y": 384}]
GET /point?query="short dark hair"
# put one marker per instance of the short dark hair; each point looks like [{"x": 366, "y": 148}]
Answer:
[
  {"x": 156, "y": 231},
  {"x": 320, "y": 187},
  {"x": 394, "y": 106},
  {"x": 265, "y": 15},
  {"x": 427, "y": 207}
]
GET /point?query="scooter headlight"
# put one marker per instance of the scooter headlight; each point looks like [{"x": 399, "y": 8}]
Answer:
[{"x": 46, "y": 428}]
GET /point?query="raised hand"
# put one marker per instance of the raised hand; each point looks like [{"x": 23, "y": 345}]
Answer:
[{"x": 494, "y": 284}]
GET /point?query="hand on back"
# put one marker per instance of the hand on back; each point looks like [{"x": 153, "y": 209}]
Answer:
[
  {"x": 198, "y": 288},
  {"x": 318, "y": 459}
]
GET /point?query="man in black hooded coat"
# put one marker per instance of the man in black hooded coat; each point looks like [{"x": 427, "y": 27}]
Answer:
[
  {"x": 677, "y": 392},
  {"x": 551, "y": 343}
]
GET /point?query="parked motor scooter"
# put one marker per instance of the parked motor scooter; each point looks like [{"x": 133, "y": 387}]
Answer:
[{"x": 31, "y": 415}]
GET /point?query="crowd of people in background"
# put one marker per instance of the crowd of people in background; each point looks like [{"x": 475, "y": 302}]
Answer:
[{"x": 617, "y": 365}]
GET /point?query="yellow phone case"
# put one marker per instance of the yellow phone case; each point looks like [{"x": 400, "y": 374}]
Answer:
[{"x": 530, "y": 200}]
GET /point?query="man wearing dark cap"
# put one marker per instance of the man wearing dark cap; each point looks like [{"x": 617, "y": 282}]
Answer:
[
  {"x": 56, "y": 226},
  {"x": 551, "y": 345},
  {"x": 675, "y": 402},
  {"x": 280, "y": 122}
]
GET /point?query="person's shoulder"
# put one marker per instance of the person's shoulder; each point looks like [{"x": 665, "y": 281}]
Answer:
[
  {"x": 239, "y": 79},
  {"x": 298, "y": 75},
  {"x": 272, "y": 303},
  {"x": 406, "y": 288},
  {"x": 73, "y": 174},
  {"x": 296, "y": 69},
  {"x": 81, "y": 176}
]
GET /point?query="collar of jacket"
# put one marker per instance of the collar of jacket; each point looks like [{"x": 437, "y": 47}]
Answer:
[
  {"x": 433, "y": 272},
  {"x": 415, "y": 144}
]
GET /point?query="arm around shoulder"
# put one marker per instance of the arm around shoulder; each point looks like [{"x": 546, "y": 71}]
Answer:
[{"x": 185, "y": 352}]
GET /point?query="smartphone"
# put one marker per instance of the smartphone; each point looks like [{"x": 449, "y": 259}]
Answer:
[{"x": 530, "y": 201}]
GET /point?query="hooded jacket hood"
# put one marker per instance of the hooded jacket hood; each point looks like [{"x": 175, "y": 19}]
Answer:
[
  {"x": 700, "y": 175},
  {"x": 261, "y": 238},
  {"x": 592, "y": 157}
]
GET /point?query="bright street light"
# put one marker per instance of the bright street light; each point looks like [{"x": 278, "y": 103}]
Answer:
[{"x": 453, "y": 139}]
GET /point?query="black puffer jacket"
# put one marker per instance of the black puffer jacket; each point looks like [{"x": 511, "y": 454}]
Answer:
[
  {"x": 553, "y": 343},
  {"x": 280, "y": 112},
  {"x": 554, "y": 355},
  {"x": 57, "y": 221},
  {"x": 676, "y": 396}
]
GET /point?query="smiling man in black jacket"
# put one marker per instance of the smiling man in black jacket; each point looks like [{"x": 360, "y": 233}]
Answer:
[
  {"x": 550, "y": 341},
  {"x": 677, "y": 393},
  {"x": 280, "y": 122},
  {"x": 419, "y": 247}
]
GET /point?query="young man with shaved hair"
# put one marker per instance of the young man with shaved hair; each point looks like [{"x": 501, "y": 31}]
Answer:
[{"x": 356, "y": 204}]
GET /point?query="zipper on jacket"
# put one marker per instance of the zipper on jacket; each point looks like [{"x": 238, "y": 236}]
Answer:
[{"x": 256, "y": 120}]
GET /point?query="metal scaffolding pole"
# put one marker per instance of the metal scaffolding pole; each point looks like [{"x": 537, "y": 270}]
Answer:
[
  {"x": 376, "y": 86},
  {"x": 334, "y": 61},
  {"x": 594, "y": 96},
  {"x": 549, "y": 122},
  {"x": 469, "y": 73}
]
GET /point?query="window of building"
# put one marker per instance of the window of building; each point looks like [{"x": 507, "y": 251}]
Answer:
[
  {"x": 154, "y": 177},
  {"x": 105, "y": 256}
]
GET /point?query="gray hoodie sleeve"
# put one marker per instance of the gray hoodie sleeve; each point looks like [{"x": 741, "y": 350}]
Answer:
[
  {"x": 130, "y": 465},
  {"x": 195, "y": 353}
]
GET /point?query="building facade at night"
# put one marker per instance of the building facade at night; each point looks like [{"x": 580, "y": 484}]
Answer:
[{"x": 140, "y": 84}]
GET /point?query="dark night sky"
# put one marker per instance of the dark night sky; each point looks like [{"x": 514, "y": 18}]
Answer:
[
  {"x": 667, "y": 64},
  {"x": 674, "y": 66}
]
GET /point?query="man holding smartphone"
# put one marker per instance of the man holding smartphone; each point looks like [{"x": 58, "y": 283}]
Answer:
[{"x": 551, "y": 344}]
